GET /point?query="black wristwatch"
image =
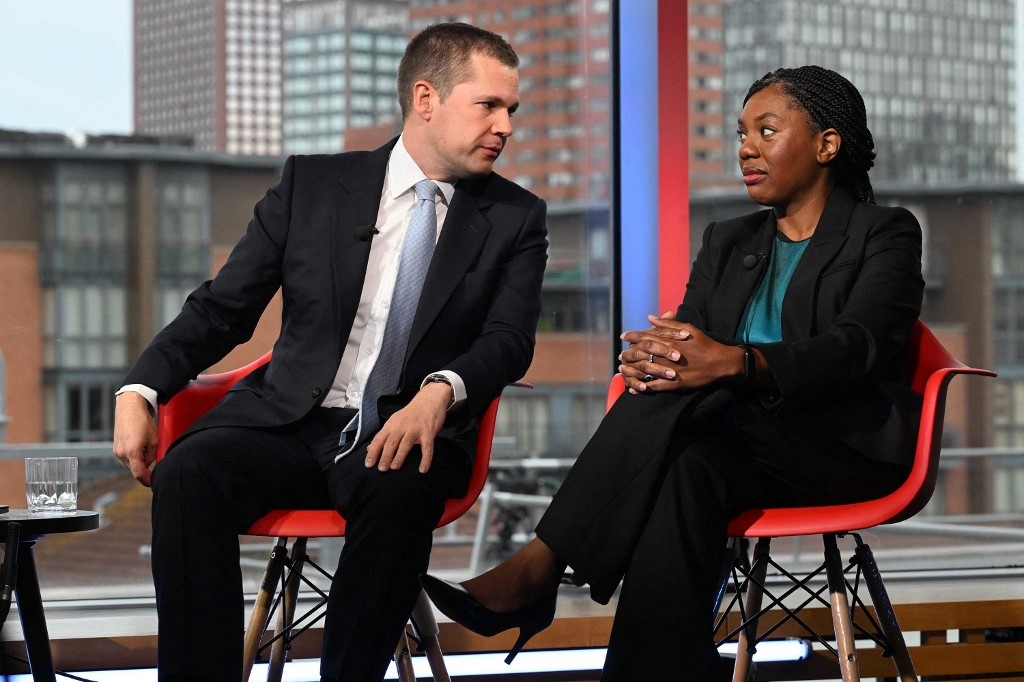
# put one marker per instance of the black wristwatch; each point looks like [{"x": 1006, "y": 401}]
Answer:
[{"x": 749, "y": 363}]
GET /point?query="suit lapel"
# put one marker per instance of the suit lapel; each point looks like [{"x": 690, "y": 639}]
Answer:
[
  {"x": 798, "y": 309},
  {"x": 358, "y": 202},
  {"x": 464, "y": 233},
  {"x": 741, "y": 279},
  {"x": 462, "y": 237}
]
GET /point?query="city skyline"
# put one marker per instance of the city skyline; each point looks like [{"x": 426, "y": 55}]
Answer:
[{"x": 69, "y": 66}]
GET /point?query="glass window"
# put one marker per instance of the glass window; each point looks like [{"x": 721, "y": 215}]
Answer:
[
  {"x": 83, "y": 408},
  {"x": 940, "y": 82},
  {"x": 361, "y": 61},
  {"x": 940, "y": 92},
  {"x": 183, "y": 236},
  {"x": 87, "y": 237}
]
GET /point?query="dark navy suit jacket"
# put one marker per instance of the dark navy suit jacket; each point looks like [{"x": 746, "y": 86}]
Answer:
[{"x": 477, "y": 315}]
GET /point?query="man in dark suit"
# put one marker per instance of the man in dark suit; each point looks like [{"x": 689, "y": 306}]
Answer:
[{"x": 297, "y": 433}]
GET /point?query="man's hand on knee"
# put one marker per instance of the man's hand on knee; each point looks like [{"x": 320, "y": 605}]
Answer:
[{"x": 415, "y": 424}]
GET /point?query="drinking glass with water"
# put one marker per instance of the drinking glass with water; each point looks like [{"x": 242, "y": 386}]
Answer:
[{"x": 51, "y": 484}]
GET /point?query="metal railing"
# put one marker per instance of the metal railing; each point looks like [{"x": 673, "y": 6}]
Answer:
[{"x": 1000, "y": 525}]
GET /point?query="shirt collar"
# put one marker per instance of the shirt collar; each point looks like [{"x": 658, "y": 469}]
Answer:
[{"x": 403, "y": 174}]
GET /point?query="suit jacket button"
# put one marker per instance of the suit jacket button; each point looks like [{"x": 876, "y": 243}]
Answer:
[{"x": 317, "y": 392}]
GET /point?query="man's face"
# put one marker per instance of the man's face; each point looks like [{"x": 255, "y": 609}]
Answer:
[{"x": 470, "y": 128}]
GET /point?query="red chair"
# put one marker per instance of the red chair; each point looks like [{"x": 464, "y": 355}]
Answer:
[
  {"x": 195, "y": 400},
  {"x": 932, "y": 369}
]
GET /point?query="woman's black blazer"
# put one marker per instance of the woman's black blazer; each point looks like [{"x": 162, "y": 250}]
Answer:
[{"x": 847, "y": 316}]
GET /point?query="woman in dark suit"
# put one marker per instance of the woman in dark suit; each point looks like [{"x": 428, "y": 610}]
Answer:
[{"x": 781, "y": 380}]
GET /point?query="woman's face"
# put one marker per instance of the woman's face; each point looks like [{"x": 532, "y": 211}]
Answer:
[{"x": 782, "y": 159}]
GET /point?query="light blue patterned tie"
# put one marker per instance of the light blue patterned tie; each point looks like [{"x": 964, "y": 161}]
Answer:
[{"x": 417, "y": 249}]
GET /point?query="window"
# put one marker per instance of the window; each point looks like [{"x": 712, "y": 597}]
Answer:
[
  {"x": 941, "y": 97},
  {"x": 85, "y": 224},
  {"x": 337, "y": 66},
  {"x": 183, "y": 237},
  {"x": 83, "y": 408},
  {"x": 84, "y": 327},
  {"x": 83, "y": 272}
]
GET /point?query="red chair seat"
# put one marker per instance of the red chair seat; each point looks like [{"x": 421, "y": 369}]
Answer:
[{"x": 291, "y": 523}]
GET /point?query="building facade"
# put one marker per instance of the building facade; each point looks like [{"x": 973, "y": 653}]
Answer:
[
  {"x": 710, "y": 144},
  {"x": 105, "y": 237},
  {"x": 561, "y": 146},
  {"x": 339, "y": 61},
  {"x": 209, "y": 71},
  {"x": 937, "y": 77}
]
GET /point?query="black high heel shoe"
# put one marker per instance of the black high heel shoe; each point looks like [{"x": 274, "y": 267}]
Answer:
[{"x": 455, "y": 602}]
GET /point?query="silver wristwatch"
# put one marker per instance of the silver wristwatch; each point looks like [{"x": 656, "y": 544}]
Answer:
[{"x": 432, "y": 378}]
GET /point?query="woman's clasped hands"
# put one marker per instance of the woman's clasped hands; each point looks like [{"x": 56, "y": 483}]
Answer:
[{"x": 672, "y": 355}]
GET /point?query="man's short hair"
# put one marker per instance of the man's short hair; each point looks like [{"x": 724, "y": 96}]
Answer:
[{"x": 440, "y": 54}]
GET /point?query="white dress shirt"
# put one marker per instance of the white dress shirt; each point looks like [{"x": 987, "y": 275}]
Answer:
[{"x": 397, "y": 202}]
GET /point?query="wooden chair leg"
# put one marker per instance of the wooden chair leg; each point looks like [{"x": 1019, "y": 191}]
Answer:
[
  {"x": 748, "y": 635},
  {"x": 886, "y": 616},
  {"x": 286, "y": 612},
  {"x": 425, "y": 628},
  {"x": 841, "y": 617},
  {"x": 403, "y": 659},
  {"x": 729, "y": 556},
  {"x": 261, "y": 608}
]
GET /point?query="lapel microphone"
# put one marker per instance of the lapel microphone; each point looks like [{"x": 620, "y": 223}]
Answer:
[
  {"x": 750, "y": 261},
  {"x": 364, "y": 233}
]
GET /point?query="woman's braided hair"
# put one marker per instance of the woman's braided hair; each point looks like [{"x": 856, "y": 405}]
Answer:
[{"x": 832, "y": 102}]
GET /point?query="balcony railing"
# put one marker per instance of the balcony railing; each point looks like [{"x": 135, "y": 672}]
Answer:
[{"x": 942, "y": 536}]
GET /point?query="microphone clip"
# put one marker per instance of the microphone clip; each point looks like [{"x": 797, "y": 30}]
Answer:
[
  {"x": 751, "y": 260},
  {"x": 364, "y": 233}
]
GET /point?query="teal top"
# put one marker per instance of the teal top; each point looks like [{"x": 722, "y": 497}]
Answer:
[{"x": 762, "y": 321}]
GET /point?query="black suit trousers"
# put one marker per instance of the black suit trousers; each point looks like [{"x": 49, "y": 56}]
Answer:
[
  {"x": 216, "y": 482},
  {"x": 655, "y": 518}
]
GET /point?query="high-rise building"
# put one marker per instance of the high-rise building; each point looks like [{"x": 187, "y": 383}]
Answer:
[
  {"x": 937, "y": 77},
  {"x": 561, "y": 144},
  {"x": 210, "y": 71},
  {"x": 708, "y": 130},
  {"x": 339, "y": 59}
]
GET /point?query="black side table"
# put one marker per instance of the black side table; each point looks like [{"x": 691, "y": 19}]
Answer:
[{"x": 35, "y": 526}]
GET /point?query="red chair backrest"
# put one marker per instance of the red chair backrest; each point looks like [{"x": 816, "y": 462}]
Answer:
[
  {"x": 205, "y": 391},
  {"x": 932, "y": 368}
]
